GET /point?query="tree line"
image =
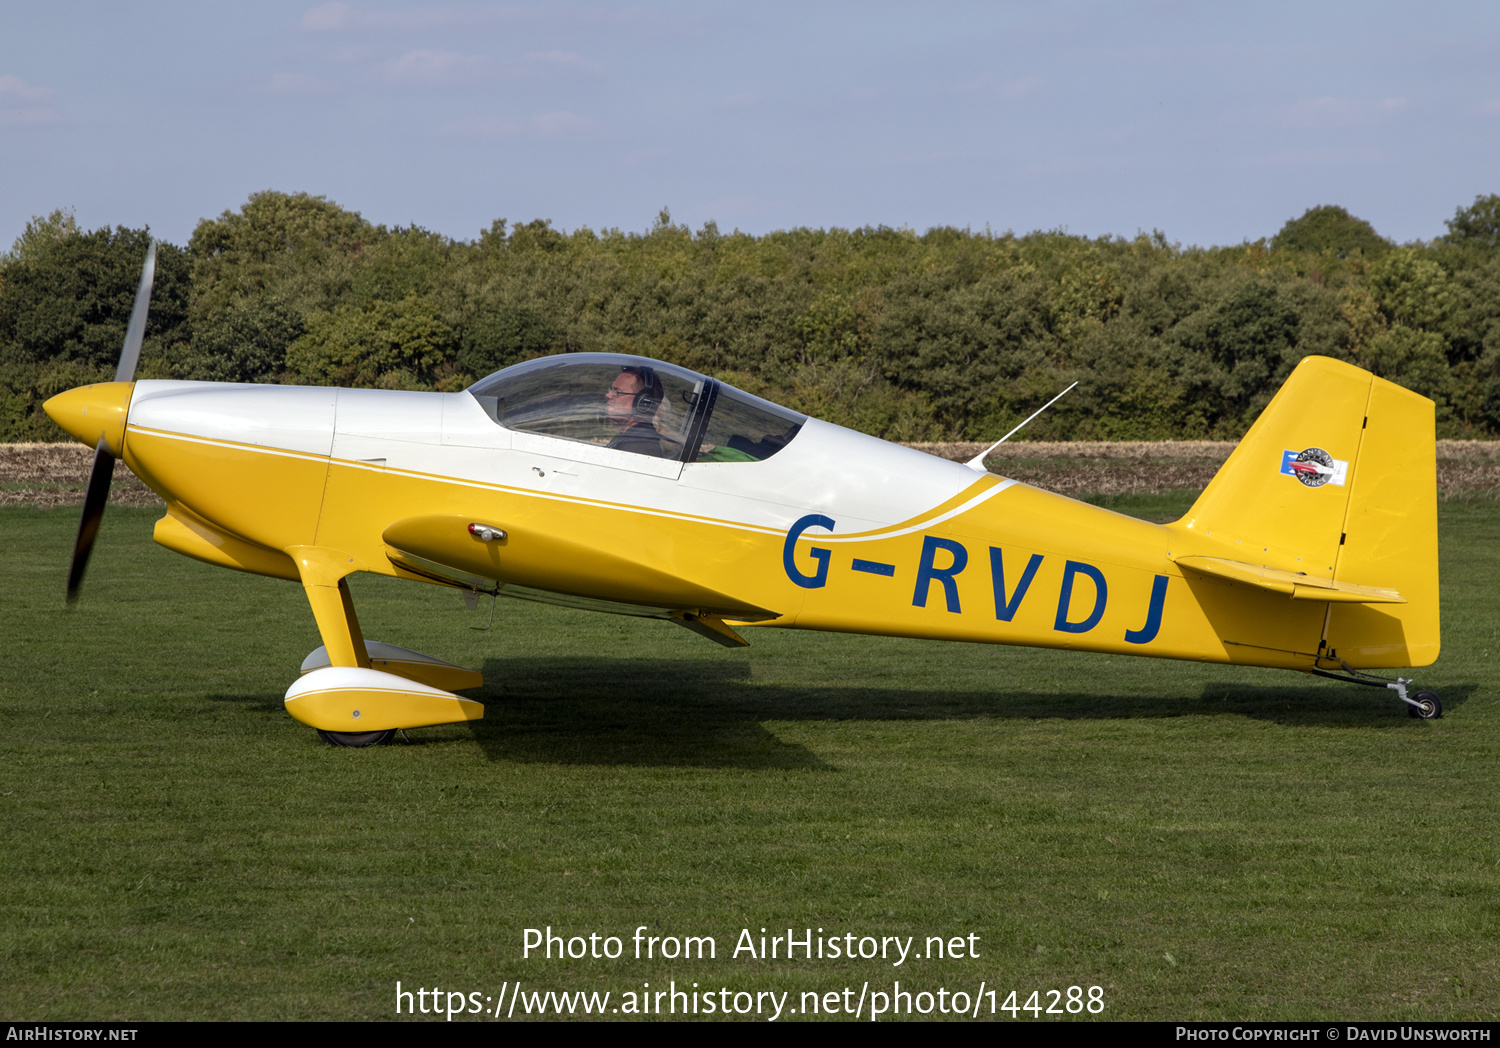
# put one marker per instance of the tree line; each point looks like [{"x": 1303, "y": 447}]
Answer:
[{"x": 946, "y": 335}]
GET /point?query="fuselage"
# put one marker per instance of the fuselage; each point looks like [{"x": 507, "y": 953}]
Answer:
[{"x": 837, "y": 531}]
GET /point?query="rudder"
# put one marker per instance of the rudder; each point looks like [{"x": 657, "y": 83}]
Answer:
[{"x": 1390, "y": 533}]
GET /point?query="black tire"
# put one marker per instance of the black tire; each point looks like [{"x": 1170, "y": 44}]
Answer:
[
  {"x": 357, "y": 739},
  {"x": 1428, "y": 706}
]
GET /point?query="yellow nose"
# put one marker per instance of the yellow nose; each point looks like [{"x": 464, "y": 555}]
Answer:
[{"x": 91, "y": 412}]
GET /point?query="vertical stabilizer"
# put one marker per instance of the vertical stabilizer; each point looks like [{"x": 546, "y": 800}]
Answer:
[
  {"x": 1337, "y": 480},
  {"x": 1281, "y": 498}
]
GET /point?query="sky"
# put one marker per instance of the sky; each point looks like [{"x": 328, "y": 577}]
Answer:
[{"x": 1214, "y": 123}]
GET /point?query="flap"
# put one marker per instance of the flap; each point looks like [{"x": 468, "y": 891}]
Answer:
[{"x": 1291, "y": 583}]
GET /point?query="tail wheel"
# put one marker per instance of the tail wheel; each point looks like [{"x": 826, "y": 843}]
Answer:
[
  {"x": 1427, "y": 706},
  {"x": 357, "y": 739}
]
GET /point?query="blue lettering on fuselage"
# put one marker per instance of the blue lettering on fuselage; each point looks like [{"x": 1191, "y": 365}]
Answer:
[
  {"x": 1148, "y": 632},
  {"x": 819, "y": 578},
  {"x": 928, "y": 571},
  {"x": 956, "y": 556},
  {"x": 1005, "y": 609},
  {"x": 1071, "y": 570}
]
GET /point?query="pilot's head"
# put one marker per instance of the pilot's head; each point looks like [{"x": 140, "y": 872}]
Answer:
[{"x": 633, "y": 396}]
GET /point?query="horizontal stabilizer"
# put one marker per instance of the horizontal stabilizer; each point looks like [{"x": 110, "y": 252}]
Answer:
[{"x": 1293, "y": 584}]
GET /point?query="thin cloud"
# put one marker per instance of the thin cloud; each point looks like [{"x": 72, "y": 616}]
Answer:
[
  {"x": 1006, "y": 90},
  {"x": 637, "y": 157},
  {"x": 557, "y": 61},
  {"x": 481, "y": 127},
  {"x": 1018, "y": 88},
  {"x": 563, "y": 126},
  {"x": 25, "y": 105},
  {"x": 1490, "y": 108},
  {"x": 743, "y": 100},
  {"x": 425, "y": 66},
  {"x": 13, "y": 87},
  {"x": 1330, "y": 112},
  {"x": 339, "y": 16},
  {"x": 1333, "y": 157},
  {"x": 328, "y": 18},
  {"x": 298, "y": 84},
  {"x": 351, "y": 53},
  {"x": 560, "y": 126}
]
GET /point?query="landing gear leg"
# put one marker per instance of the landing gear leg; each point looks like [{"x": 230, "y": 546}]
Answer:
[
  {"x": 1424, "y": 705},
  {"x": 341, "y": 690}
]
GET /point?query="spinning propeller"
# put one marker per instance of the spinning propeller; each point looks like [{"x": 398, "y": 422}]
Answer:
[{"x": 104, "y": 458}]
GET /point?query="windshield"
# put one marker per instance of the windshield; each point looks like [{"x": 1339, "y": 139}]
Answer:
[
  {"x": 638, "y": 405},
  {"x": 743, "y": 428}
]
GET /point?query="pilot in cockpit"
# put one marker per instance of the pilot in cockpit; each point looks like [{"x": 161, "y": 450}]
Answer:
[{"x": 631, "y": 404}]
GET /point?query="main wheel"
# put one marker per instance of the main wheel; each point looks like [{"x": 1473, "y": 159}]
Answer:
[
  {"x": 357, "y": 739},
  {"x": 1428, "y": 707}
]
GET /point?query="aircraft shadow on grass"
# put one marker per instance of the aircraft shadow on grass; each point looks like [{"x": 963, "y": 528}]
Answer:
[{"x": 707, "y": 713}]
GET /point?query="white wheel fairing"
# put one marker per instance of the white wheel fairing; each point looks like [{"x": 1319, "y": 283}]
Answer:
[{"x": 354, "y": 699}]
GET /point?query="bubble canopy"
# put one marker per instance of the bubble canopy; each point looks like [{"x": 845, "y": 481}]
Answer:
[{"x": 638, "y": 405}]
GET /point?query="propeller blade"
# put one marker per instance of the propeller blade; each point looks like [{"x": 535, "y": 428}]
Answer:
[
  {"x": 104, "y": 462},
  {"x": 136, "y": 332},
  {"x": 93, "y": 514}
]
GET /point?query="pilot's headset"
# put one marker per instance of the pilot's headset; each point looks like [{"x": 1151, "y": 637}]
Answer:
[{"x": 649, "y": 398}]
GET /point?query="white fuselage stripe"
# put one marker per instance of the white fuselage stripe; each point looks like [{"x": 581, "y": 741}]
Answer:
[
  {"x": 921, "y": 525},
  {"x": 761, "y": 529}
]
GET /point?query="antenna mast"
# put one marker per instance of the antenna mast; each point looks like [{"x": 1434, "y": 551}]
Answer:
[{"x": 977, "y": 462}]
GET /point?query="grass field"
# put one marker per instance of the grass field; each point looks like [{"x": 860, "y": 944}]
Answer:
[{"x": 1201, "y": 842}]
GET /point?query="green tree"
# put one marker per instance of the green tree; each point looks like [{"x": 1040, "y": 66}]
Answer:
[
  {"x": 1477, "y": 225},
  {"x": 394, "y": 345},
  {"x": 506, "y": 335},
  {"x": 41, "y": 233},
  {"x": 1242, "y": 345},
  {"x": 1412, "y": 289},
  {"x": 1332, "y": 230},
  {"x": 65, "y": 301},
  {"x": 404, "y": 262},
  {"x": 295, "y": 247},
  {"x": 948, "y": 333},
  {"x": 69, "y": 297},
  {"x": 244, "y": 343},
  {"x": 1415, "y": 359}
]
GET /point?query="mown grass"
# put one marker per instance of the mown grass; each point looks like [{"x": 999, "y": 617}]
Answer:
[{"x": 1202, "y": 842}]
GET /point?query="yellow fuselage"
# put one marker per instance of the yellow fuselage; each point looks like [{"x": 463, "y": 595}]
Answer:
[{"x": 838, "y": 532}]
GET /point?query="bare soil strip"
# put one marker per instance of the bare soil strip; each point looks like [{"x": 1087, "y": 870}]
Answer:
[
  {"x": 57, "y": 474},
  {"x": 1465, "y": 468}
]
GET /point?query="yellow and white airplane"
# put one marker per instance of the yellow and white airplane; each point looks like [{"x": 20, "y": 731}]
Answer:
[{"x": 631, "y": 486}]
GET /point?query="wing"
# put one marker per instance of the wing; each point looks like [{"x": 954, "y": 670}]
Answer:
[{"x": 534, "y": 565}]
